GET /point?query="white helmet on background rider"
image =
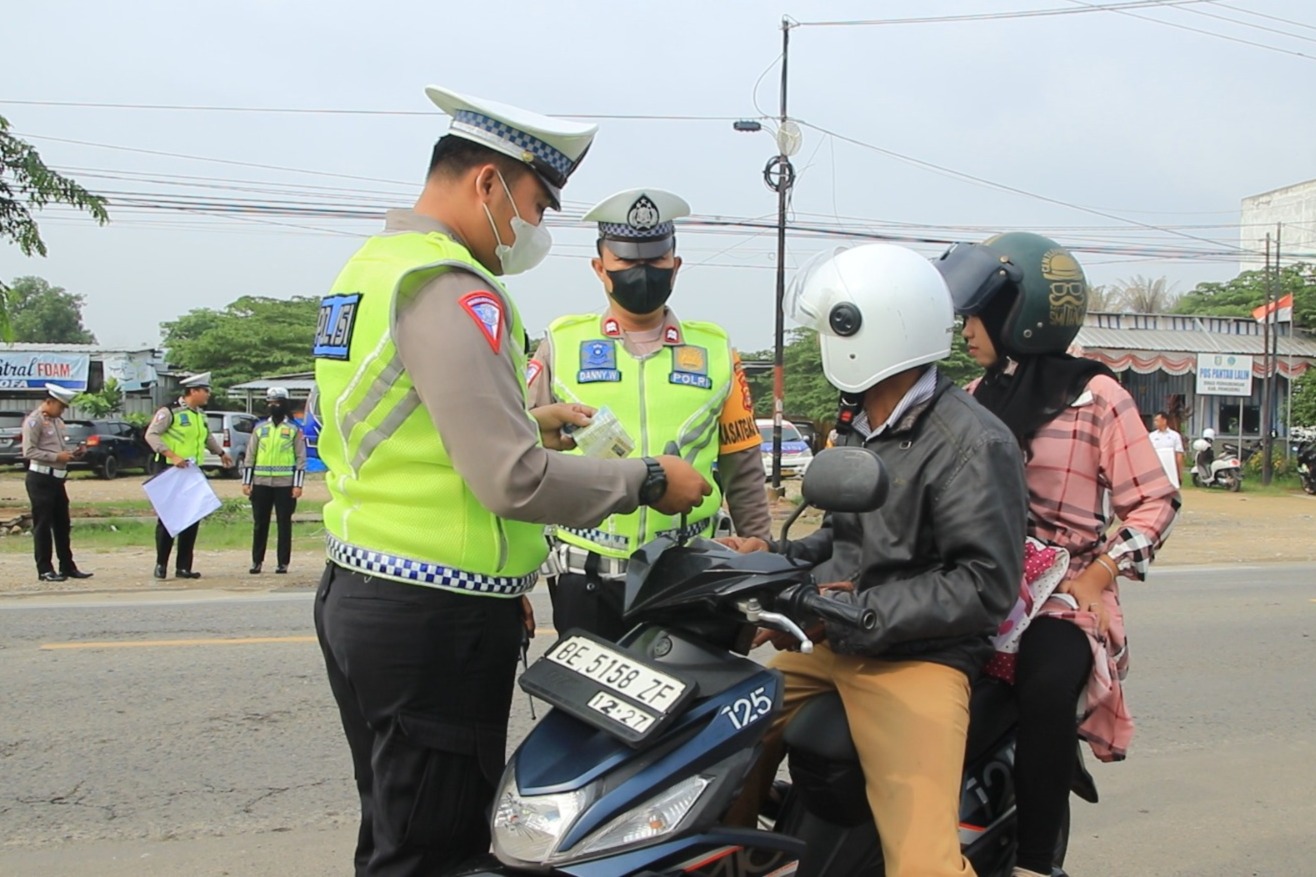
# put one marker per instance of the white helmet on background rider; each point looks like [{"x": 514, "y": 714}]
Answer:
[
  {"x": 878, "y": 309},
  {"x": 1208, "y": 434}
]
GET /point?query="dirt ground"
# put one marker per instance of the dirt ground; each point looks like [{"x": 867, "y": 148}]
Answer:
[{"x": 1215, "y": 527}]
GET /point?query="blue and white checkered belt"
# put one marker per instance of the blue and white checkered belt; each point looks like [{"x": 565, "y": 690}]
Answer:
[{"x": 419, "y": 572}]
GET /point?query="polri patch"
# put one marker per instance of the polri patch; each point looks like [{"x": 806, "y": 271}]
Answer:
[
  {"x": 486, "y": 309},
  {"x": 690, "y": 367},
  {"x": 333, "y": 332},
  {"x": 598, "y": 362}
]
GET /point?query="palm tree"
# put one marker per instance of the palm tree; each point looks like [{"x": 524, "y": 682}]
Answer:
[
  {"x": 1103, "y": 298},
  {"x": 1146, "y": 295}
]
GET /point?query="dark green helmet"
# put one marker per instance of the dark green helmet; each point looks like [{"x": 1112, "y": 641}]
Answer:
[{"x": 1052, "y": 291}]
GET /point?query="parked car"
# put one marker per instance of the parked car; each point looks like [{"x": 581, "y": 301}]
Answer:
[
  {"x": 808, "y": 433},
  {"x": 795, "y": 453},
  {"x": 112, "y": 446},
  {"x": 11, "y": 437},
  {"x": 232, "y": 429}
]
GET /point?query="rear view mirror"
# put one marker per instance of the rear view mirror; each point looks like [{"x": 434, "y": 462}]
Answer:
[{"x": 846, "y": 480}]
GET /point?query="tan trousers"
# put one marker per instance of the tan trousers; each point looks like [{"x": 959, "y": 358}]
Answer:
[{"x": 909, "y": 720}]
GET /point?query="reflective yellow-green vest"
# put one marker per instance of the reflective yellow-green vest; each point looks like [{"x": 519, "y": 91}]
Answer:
[
  {"x": 675, "y": 396},
  {"x": 397, "y": 507},
  {"x": 276, "y": 450},
  {"x": 187, "y": 433}
]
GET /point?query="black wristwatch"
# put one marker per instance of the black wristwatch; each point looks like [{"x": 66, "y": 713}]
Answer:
[{"x": 655, "y": 482}]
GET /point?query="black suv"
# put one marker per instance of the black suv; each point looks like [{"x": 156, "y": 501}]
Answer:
[
  {"x": 112, "y": 445},
  {"x": 11, "y": 437}
]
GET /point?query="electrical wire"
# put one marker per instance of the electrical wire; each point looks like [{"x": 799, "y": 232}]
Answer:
[
  {"x": 999, "y": 16},
  {"x": 1198, "y": 30}
]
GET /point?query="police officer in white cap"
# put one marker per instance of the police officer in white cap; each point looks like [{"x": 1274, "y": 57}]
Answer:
[
  {"x": 272, "y": 474},
  {"x": 441, "y": 482},
  {"x": 47, "y": 450},
  {"x": 180, "y": 436},
  {"x": 666, "y": 381}
]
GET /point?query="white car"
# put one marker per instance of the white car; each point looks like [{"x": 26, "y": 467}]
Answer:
[{"x": 795, "y": 452}]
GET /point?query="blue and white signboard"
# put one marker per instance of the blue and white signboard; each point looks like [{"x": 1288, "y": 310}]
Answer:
[
  {"x": 32, "y": 370},
  {"x": 1224, "y": 374}
]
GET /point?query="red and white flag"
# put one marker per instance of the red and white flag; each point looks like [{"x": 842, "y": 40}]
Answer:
[{"x": 1280, "y": 311}]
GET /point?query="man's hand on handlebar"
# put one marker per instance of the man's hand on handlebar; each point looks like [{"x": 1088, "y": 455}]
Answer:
[
  {"x": 786, "y": 642},
  {"x": 744, "y": 544}
]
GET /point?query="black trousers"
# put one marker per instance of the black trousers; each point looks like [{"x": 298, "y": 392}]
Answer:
[
  {"x": 280, "y": 500},
  {"x": 1054, "y": 663},
  {"x": 423, "y": 680},
  {"x": 50, "y": 521},
  {"x": 591, "y": 605},
  {"x": 164, "y": 544}
]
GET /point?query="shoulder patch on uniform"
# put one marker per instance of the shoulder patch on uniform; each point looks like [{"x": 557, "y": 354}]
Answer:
[
  {"x": 32, "y": 422},
  {"x": 533, "y": 369},
  {"x": 333, "y": 331},
  {"x": 162, "y": 415},
  {"x": 486, "y": 309}
]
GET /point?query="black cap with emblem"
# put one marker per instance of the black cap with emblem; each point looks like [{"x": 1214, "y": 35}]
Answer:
[{"x": 637, "y": 224}]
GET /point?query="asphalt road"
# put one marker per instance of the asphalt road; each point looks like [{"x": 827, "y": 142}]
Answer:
[{"x": 194, "y": 734}]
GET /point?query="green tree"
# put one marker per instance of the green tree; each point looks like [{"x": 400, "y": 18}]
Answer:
[
  {"x": 102, "y": 403},
  {"x": 26, "y": 184},
  {"x": 1304, "y": 400},
  {"x": 42, "y": 313},
  {"x": 1239, "y": 296},
  {"x": 250, "y": 337}
]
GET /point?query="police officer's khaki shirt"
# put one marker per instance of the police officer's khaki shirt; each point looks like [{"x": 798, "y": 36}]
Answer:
[
  {"x": 44, "y": 439},
  {"x": 473, "y": 395},
  {"x": 740, "y": 471}
]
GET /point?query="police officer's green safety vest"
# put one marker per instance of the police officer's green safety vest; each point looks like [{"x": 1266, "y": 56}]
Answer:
[
  {"x": 187, "y": 433},
  {"x": 397, "y": 508},
  {"x": 674, "y": 395},
  {"x": 276, "y": 450}
]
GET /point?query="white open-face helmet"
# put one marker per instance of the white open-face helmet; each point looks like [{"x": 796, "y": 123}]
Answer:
[
  {"x": 1208, "y": 434},
  {"x": 276, "y": 394},
  {"x": 878, "y": 309}
]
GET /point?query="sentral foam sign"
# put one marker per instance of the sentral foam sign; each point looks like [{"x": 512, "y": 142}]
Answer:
[
  {"x": 32, "y": 370},
  {"x": 1224, "y": 374}
]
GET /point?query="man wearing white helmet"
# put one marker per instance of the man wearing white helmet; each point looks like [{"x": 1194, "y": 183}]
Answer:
[
  {"x": 940, "y": 562},
  {"x": 272, "y": 474}
]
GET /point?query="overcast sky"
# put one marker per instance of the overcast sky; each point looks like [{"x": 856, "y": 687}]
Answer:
[{"x": 1149, "y": 124}]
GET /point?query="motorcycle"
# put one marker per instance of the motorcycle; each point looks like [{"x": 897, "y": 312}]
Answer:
[
  {"x": 1305, "y": 453},
  {"x": 650, "y": 739},
  {"x": 1207, "y": 471}
]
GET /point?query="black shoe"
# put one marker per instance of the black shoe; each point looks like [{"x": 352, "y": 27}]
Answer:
[
  {"x": 76, "y": 574},
  {"x": 186, "y": 574},
  {"x": 160, "y": 571},
  {"x": 282, "y": 570},
  {"x": 255, "y": 569},
  {"x": 51, "y": 576}
]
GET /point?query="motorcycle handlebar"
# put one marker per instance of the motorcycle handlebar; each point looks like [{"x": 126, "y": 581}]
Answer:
[{"x": 805, "y": 600}]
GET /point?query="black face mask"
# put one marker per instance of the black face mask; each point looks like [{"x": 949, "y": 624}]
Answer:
[
  {"x": 277, "y": 410},
  {"x": 642, "y": 289}
]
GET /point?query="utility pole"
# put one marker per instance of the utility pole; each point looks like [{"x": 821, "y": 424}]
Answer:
[
  {"x": 1266, "y": 386},
  {"x": 780, "y": 176}
]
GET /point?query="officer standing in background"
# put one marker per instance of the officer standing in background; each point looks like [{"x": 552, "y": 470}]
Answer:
[
  {"x": 180, "y": 436},
  {"x": 667, "y": 381},
  {"x": 272, "y": 474},
  {"x": 46, "y": 448},
  {"x": 441, "y": 481}
]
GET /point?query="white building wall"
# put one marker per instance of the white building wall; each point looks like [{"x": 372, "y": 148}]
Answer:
[{"x": 1292, "y": 206}]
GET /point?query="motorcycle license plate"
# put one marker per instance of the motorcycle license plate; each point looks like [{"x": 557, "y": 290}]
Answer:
[{"x": 607, "y": 687}]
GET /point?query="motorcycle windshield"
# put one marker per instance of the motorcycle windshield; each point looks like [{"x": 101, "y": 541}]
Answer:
[{"x": 664, "y": 574}]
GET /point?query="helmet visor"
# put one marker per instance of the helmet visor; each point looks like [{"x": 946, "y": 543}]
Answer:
[
  {"x": 975, "y": 274},
  {"x": 803, "y": 303}
]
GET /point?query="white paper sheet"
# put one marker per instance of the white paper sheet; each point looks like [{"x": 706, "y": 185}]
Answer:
[
  {"x": 181, "y": 497},
  {"x": 1168, "y": 463}
]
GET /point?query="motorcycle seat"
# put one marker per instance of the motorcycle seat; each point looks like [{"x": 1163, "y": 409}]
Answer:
[{"x": 820, "y": 727}]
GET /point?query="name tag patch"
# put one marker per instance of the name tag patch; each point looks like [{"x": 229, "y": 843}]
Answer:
[
  {"x": 690, "y": 367},
  {"x": 333, "y": 332},
  {"x": 598, "y": 362}
]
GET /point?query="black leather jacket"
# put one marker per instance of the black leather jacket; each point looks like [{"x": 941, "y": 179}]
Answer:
[{"x": 941, "y": 561}]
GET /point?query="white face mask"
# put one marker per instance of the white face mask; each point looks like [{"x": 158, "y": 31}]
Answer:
[{"x": 530, "y": 243}]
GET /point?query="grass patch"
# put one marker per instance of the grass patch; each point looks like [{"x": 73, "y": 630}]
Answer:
[
  {"x": 1280, "y": 485},
  {"x": 216, "y": 533}
]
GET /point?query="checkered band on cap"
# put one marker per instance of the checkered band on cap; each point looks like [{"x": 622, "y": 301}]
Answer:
[
  {"x": 554, "y": 165},
  {"x": 624, "y": 232},
  {"x": 419, "y": 572}
]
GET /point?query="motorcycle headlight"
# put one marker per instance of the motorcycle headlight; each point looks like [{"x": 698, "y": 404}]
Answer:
[
  {"x": 528, "y": 828},
  {"x": 655, "y": 817}
]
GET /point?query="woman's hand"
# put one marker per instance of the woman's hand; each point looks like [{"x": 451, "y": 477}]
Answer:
[
  {"x": 551, "y": 419},
  {"x": 1088, "y": 589}
]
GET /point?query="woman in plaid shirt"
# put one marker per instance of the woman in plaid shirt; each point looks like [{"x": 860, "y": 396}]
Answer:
[{"x": 1087, "y": 456}]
